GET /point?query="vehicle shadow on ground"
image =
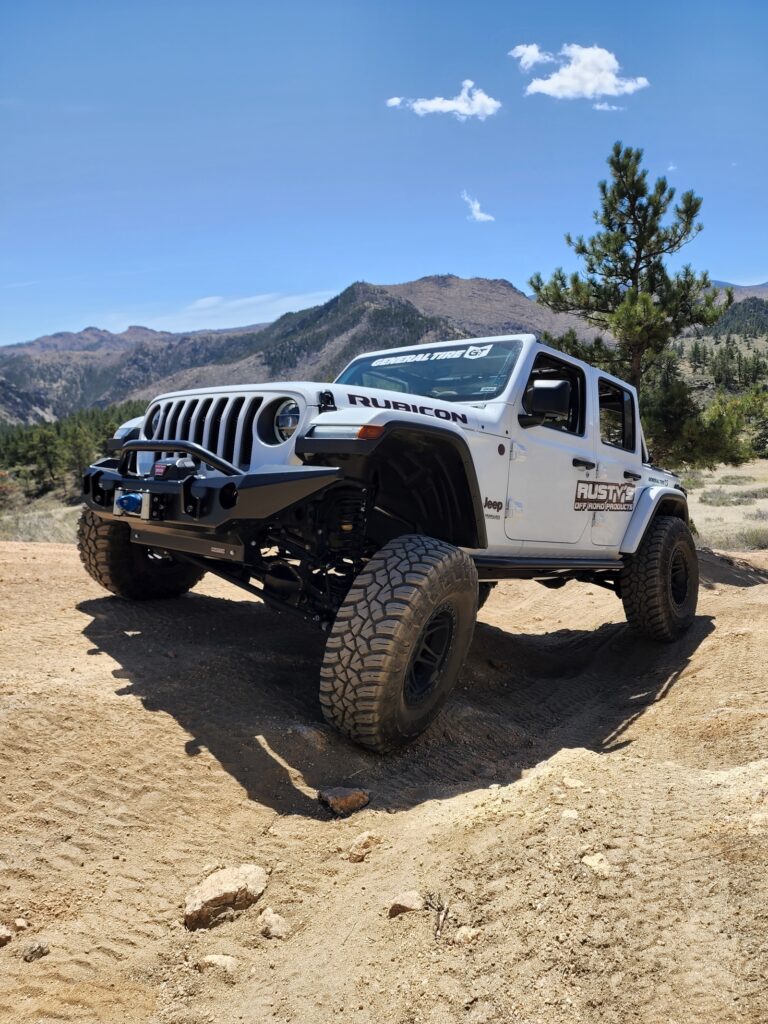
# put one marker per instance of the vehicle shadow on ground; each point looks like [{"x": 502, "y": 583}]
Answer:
[
  {"x": 715, "y": 569},
  {"x": 241, "y": 680}
]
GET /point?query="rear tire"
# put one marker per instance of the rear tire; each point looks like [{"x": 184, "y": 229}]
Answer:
[
  {"x": 660, "y": 583},
  {"x": 129, "y": 570},
  {"x": 399, "y": 641}
]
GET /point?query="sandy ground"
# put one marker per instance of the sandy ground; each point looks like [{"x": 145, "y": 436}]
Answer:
[{"x": 140, "y": 745}]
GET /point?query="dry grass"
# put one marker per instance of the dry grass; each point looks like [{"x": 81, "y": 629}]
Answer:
[
  {"x": 734, "y": 478},
  {"x": 43, "y": 520},
  {"x": 730, "y": 519},
  {"x": 717, "y": 496}
]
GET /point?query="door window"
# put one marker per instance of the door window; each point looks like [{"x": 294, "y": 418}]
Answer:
[
  {"x": 617, "y": 416},
  {"x": 548, "y": 368}
]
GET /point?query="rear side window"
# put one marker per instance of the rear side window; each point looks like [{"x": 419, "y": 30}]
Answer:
[
  {"x": 617, "y": 416},
  {"x": 549, "y": 368}
]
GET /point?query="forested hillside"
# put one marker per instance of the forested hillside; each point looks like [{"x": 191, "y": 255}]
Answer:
[
  {"x": 748, "y": 318},
  {"x": 52, "y": 376}
]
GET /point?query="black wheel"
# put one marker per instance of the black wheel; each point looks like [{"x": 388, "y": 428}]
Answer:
[
  {"x": 660, "y": 583},
  {"x": 129, "y": 570},
  {"x": 399, "y": 641},
  {"x": 483, "y": 593}
]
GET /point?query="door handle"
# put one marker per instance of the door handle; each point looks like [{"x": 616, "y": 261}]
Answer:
[
  {"x": 583, "y": 464},
  {"x": 631, "y": 476}
]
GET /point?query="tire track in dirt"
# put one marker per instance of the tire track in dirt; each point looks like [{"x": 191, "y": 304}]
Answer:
[{"x": 142, "y": 744}]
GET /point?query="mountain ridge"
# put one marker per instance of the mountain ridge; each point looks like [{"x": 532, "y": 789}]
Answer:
[
  {"x": 745, "y": 291},
  {"x": 51, "y": 376}
]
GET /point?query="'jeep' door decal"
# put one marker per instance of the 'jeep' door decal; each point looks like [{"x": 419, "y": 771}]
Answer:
[{"x": 592, "y": 496}]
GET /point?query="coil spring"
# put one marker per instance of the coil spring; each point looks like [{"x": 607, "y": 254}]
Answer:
[{"x": 350, "y": 511}]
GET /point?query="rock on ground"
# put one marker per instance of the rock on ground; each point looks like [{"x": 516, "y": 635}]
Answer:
[
  {"x": 599, "y": 863},
  {"x": 406, "y": 902},
  {"x": 5, "y": 935},
  {"x": 230, "y": 888},
  {"x": 343, "y": 801},
  {"x": 272, "y": 925},
  {"x": 219, "y": 962},
  {"x": 363, "y": 845},
  {"x": 35, "y": 951}
]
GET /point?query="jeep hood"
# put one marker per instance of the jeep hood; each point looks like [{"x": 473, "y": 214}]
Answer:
[{"x": 354, "y": 405}]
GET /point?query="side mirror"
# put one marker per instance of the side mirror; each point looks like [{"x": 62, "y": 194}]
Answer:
[{"x": 546, "y": 398}]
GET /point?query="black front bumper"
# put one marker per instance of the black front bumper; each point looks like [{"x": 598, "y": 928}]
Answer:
[{"x": 208, "y": 496}]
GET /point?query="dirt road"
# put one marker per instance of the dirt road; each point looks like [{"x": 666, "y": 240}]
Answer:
[{"x": 594, "y": 807}]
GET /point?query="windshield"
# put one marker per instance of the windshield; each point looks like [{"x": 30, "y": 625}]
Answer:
[{"x": 465, "y": 373}]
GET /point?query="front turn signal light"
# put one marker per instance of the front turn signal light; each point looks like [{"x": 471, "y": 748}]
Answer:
[{"x": 370, "y": 432}]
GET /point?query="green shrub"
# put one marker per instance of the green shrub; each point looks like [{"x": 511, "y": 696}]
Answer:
[
  {"x": 735, "y": 479},
  {"x": 717, "y": 496},
  {"x": 692, "y": 479},
  {"x": 753, "y": 538}
]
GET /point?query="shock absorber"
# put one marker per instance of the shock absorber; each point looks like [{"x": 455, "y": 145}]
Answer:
[{"x": 349, "y": 514}]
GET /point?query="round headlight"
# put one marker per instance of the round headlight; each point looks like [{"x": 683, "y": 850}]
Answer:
[
  {"x": 287, "y": 417},
  {"x": 153, "y": 422}
]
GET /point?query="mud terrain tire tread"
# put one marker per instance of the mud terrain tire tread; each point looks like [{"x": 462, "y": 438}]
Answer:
[
  {"x": 380, "y": 621},
  {"x": 123, "y": 568},
  {"x": 645, "y": 581}
]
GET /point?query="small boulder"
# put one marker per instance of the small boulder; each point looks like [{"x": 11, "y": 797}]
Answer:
[
  {"x": 219, "y": 962},
  {"x": 5, "y": 935},
  {"x": 343, "y": 802},
  {"x": 229, "y": 889},
  {"x": 599, "y": 863},
  {"x": 570, "y": 815},
  {"x": 465, "y": 935},
  {"x": 21, "y": 924},
  {"x": 406, "y": 902},
  {"x": 272, "y": 925},
  {"x": 35, "y": 952},
  {"x": 363, "y": 845},
  {"x": 571, "y": 783}
]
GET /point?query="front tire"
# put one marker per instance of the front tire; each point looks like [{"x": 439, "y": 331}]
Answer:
[
  {"x": 129, "y": 570},
  {"x": 399, "y": 640},
  {"x": 660, "y": 583}
]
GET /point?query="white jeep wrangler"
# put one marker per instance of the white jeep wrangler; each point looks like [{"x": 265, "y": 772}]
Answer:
[{"x": 385, "y": 506}]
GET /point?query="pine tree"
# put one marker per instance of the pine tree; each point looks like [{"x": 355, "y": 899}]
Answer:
[
  {"x": 696, "y": 359},
  {"x": 626, "y": 287},
  {"x": 678, "y": 432},
  {"x": 47, "y": 454}
]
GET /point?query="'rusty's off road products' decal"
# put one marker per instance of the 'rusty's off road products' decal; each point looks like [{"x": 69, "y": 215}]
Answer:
[{"x": 592, "y": 496}]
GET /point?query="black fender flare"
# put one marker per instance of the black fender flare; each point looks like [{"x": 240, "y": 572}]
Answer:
[{"x": 333, "y": 447}]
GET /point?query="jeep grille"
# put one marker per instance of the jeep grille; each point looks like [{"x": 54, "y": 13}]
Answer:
[{"x": 223, "y": 424}]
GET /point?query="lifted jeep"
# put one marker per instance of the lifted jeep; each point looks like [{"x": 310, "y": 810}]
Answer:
[{"x": 385, "y": 506}]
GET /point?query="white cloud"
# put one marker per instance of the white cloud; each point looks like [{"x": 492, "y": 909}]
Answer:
[
  {"x": 606, "y": 106},
  {"x": 530, "y": 54},
  {"x": 212, "y": 312},
  {"x": 672, "y": 167},
  {"x": 209, "y": 302},
  {"x": 586, "y": 72},
  {"x": 471, "y": 102},
  {"x": 475, "y": 213}
]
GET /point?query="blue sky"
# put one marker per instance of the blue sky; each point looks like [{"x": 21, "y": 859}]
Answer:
[{"x": 183, "y": 164}]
